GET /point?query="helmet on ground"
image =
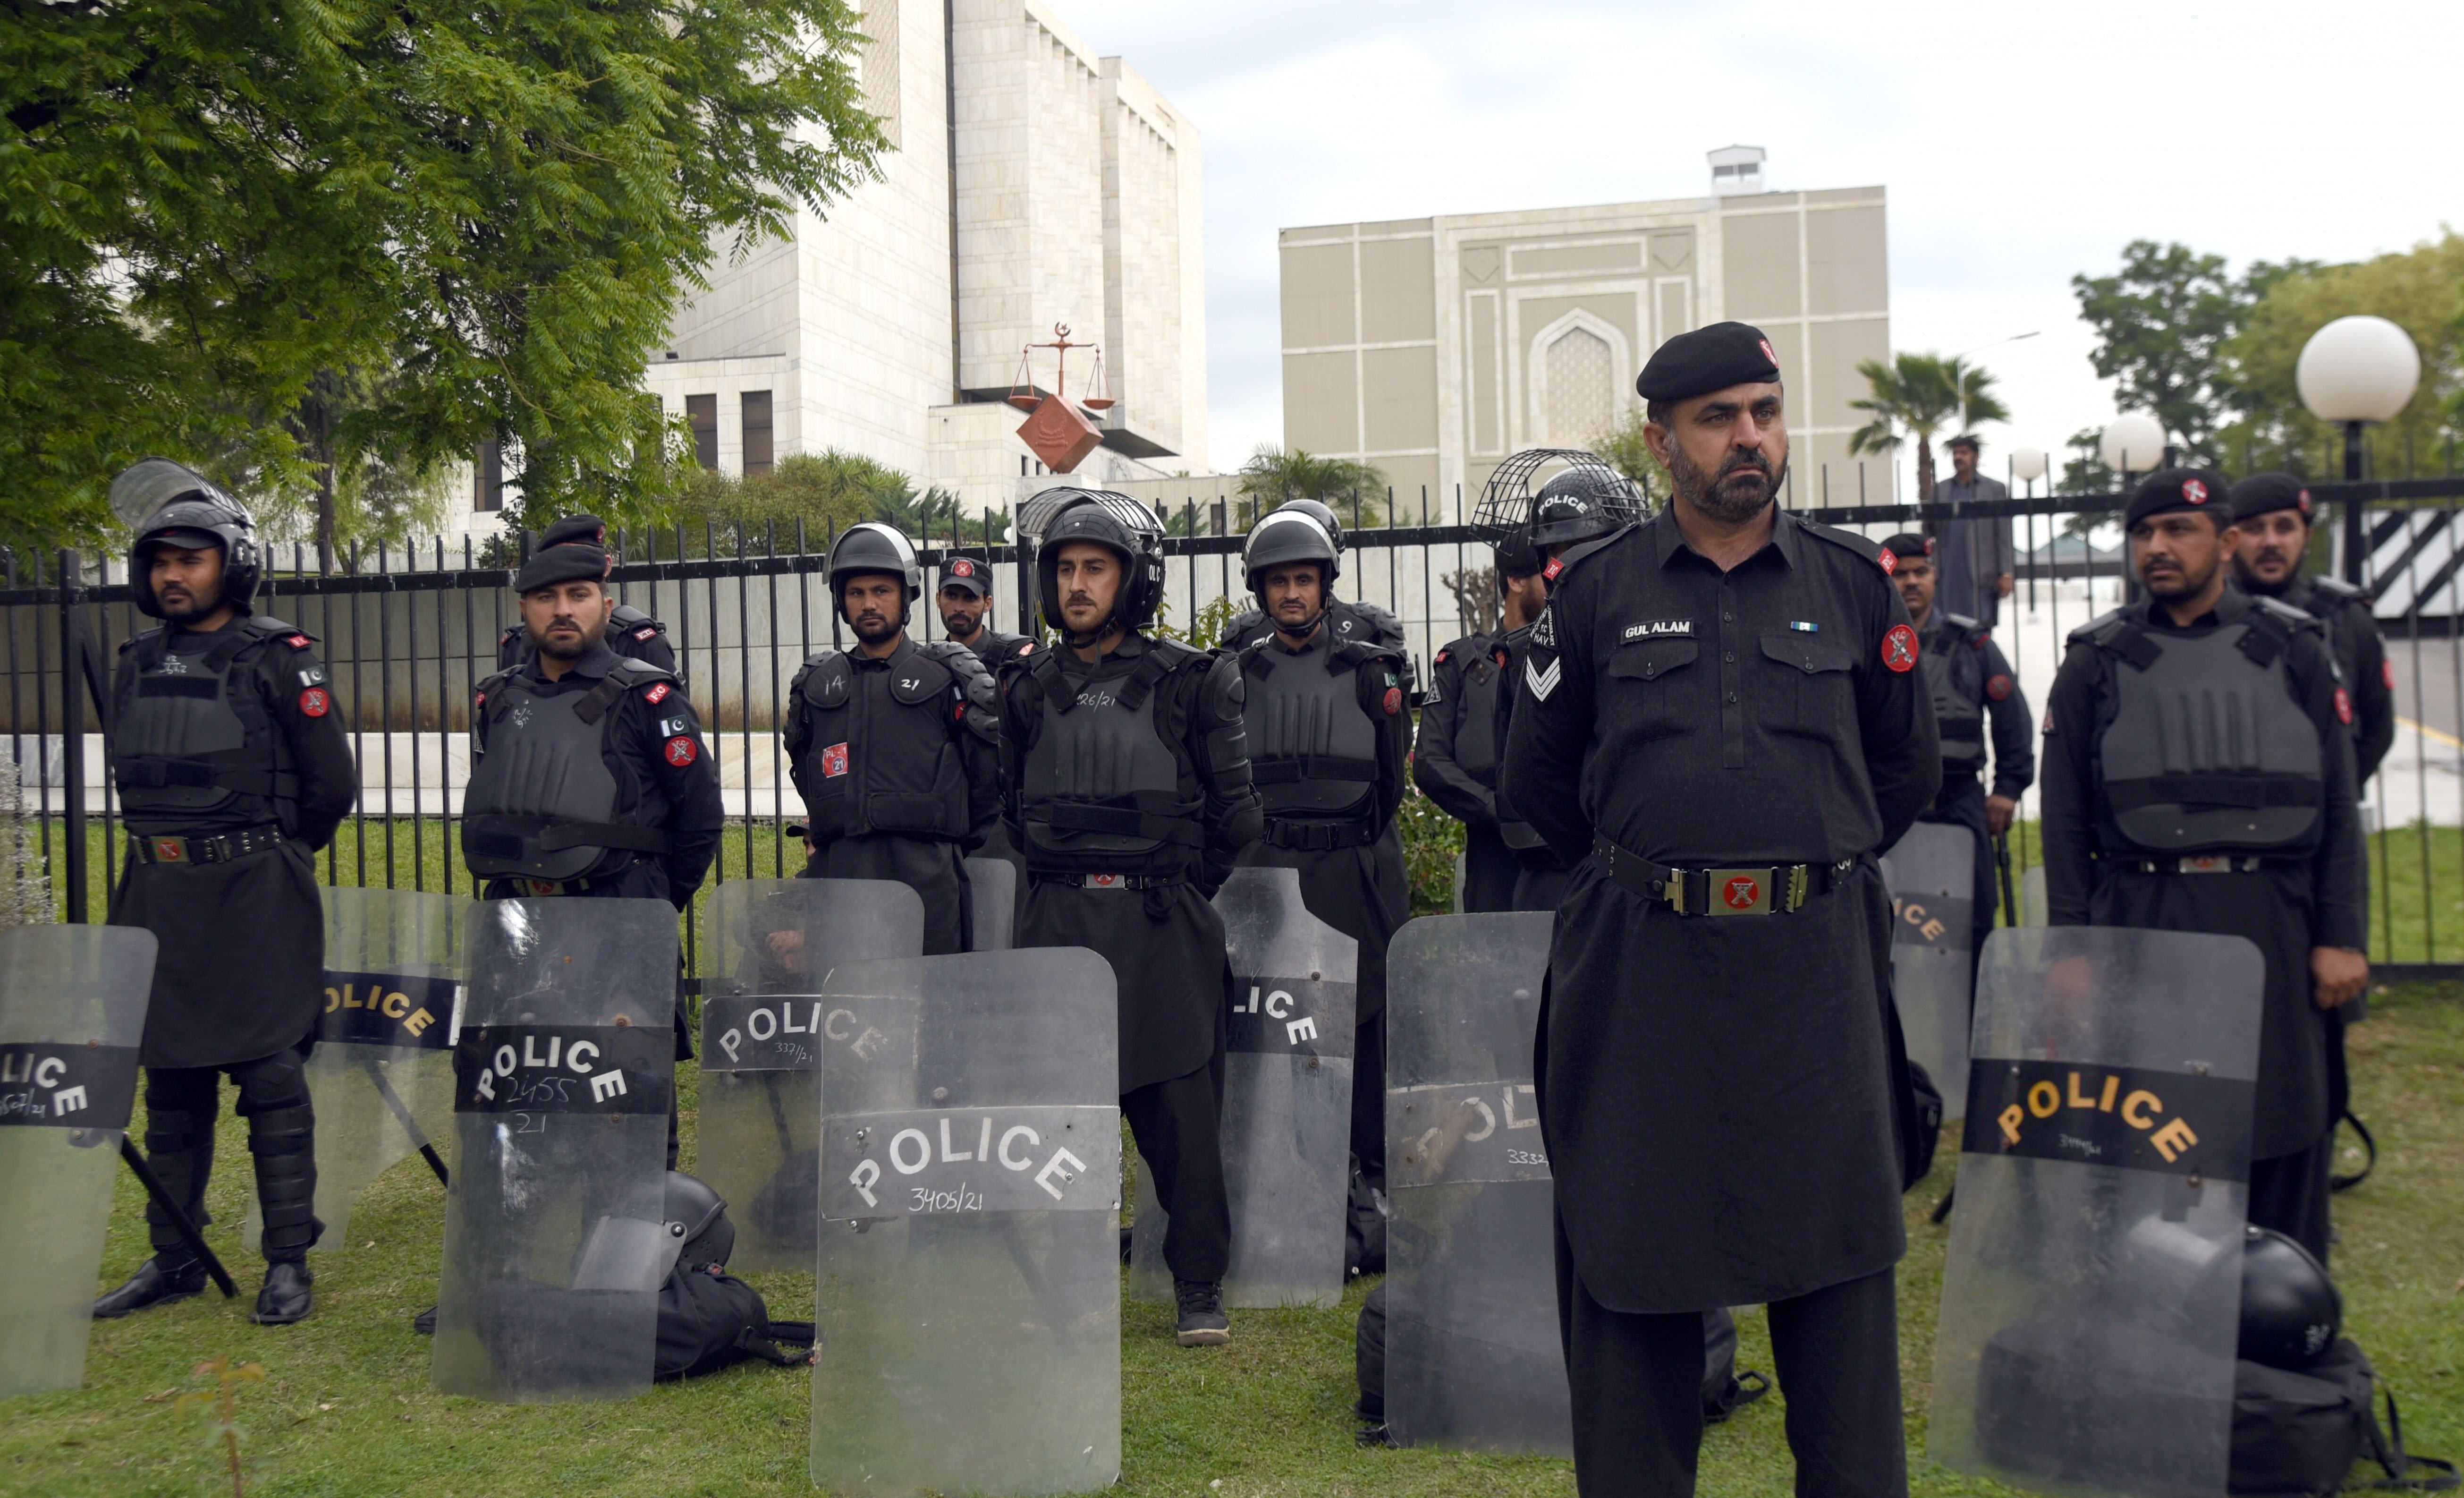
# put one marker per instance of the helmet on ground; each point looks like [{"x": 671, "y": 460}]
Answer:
[
  {"x": 1286, "y": 536},
  {"x": 696, "y": 1220},
  {"x": 1115, "y": 521},
  {"x": 169, "y": 504},
  {"x": 2290, "y": 1310},
  {"x": 875, "y": 548}
]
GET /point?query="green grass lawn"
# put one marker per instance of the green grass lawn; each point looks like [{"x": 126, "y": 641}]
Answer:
[{"x": 345, "y": 1407}]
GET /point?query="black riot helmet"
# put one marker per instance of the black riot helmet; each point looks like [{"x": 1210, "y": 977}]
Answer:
[
  {"x": 1585, "y": 501},
  {"x": 1324, "y": 515},
  {"x": 875, "y": 548},
  {"x": 1115, "y": 521},
  {"x": 2290, "y": 1310},
  {"x": 1291, "y": 535},
  {"x": 696, "y": 1221},
  {"x": 168, "y": 503}
]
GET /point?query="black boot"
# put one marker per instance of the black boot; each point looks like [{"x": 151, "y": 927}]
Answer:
[
  {"x": 424, "y": 1323},
  {"x": 286, "y": 1297},
  {"x": 167, "y": 1277},
  {"x": 1201, "y": 1322}
]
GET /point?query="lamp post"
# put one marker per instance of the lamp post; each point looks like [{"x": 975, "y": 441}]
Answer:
[
  {"x": 2354, "y": 371},
  {"x": 2028, "y": 465},
  {"x": 2131, "y": 444}
]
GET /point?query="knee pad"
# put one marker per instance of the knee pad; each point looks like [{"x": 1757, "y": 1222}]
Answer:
[{"x": 278, "y": 1081}]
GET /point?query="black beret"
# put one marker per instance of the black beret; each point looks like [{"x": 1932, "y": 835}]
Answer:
[
  {"x": 1908, "y": 545},
  {"x": 975, "y": 574},
  {"x": 2261, "y": 492},
  {"x": 572, "y": 550},
  {"x": 1707, "y": 359},
  {"x": 2181, "y": 489}
]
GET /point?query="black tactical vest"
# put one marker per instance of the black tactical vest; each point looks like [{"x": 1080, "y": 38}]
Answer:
[
  {"x": 880, "y": 757},
  {"x": 191, "y": 739},
  {"x": 1105, "y": 778},
  {"x": 2206, "y": 749},
  {"x": 1312, "y": 750},
  {"x": 1957, "y": 710},
  {"x": 1476, "y": 746},
  {"x": 542, "y": 802}
]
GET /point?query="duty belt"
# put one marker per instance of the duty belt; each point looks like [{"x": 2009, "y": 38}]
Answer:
[
  {"x": 541, "y": 889},
  {"x": 205, "y": 847},
  {"x": 1756, "y": 890},
  {"x": 1318, "y": 837},
  {"x": 2212, "y": 863},
  {"x": 1111, "y": 881}
]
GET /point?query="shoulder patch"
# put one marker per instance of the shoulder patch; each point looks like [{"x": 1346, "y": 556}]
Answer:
[
  {"x": 1998, "y": 687},
  {"x": 1900, "y": 646},
  {"x": 1540, "y": 682},
  {"x": 2343, "y": 706},
  {"x": 681, "y": 750},
  {"x": 656, "y": 693},
  {"x": 315, "y": 702},
  {"x": 1544, "y": 631}
]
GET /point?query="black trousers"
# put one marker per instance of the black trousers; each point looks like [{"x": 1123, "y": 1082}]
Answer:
[
  {"x": 1177, "y": 1126},
  {"x": 1489, "y": 870},
  {"x": 1637, "y": 1383},
  {"x": 181, "y": 1106},
  {"x": 2289, "y": 1194}
]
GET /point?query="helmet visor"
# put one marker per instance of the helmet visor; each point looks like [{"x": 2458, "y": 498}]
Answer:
[{"x": 145, "y": 488}]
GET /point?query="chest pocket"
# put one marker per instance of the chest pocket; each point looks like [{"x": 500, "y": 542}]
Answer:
[
  {"x": 1813, "y": 690},
  {"x": 1653, "y": 680}
]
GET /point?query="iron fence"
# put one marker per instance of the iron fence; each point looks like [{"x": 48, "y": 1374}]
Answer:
[{"x": 406, "y": 638}]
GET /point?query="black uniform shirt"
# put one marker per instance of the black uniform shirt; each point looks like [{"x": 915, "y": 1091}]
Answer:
[
  {"x": 1772, "y": 714},
  {"x": 663, "y": 773},
  {"x": 1463, "y": 680},
  {"x": 292, "y": 690},
  {"x": 2077, "y": 820},
  {"x": 2361, "y": 656},
  {"x": 1981, "y": 671}
]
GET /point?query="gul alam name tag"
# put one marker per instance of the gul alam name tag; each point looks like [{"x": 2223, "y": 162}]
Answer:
[{"x": 1661, "y": 629}]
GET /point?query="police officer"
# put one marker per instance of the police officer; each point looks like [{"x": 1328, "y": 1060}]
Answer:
[
  {"x": 966, "y": 600},
  {"x": 2256, "y": 836},
  {"x": 1348, "y": 619},
  {"x": 1328, "y": 741},
  {"x": 895, "y": 744},
  {"x": 1128, "y": 786},
  {"x": 233, "y": 769},
  {"x": 1454, "y": 759},
  {"x": 587, "y": 771},
  {"x": 2272, "y": 512},
  {"x": 1722, "y": 721},
  {"x": 630, "y": 633},
  {"x": 1970, "y": 681}
]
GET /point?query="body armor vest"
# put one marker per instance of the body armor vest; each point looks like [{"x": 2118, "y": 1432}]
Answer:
[
  {"x": 1103, "y": 777},
  {"x": 880, "y": 757},
  {"x": 189, "y": 738},
  {"x": 2208, "y": 749},
  {"x": 1312, "y": 751},
  {"x": 1957, "y": 712},
  {"x": 1476, "y": 746},
  {"x": 541, "y": 803}
]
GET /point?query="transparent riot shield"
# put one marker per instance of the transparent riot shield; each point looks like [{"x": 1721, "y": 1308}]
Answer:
[
  {"x": 1286, "y": 1125},
  {"x": 2091, "y": 1298},
  {"x": 382, "y": 1075},
  {"x": 72, "y": 1012},
  {"x": 968, "y": 1281},
  {"x": 564, "y": 1072},
  {"x": 1931, "y": 873},
  {"x": 1473, "y": 1359},
  {"x": 992, "y": 884},
  {"x": 2032, "y": 910},
  {"x": 767, "y": 947}
]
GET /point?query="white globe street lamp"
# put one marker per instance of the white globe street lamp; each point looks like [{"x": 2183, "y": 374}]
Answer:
[
  {"x": 2132, "y": 444},
  {"x": 2354, "y": 371},
  {"x": 2028, "y": 464}
]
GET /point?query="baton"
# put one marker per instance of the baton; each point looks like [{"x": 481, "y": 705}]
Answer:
[
  {"x": 2010, "y": 891},
  {"x": 187, "y": 1230},
  {"x": 410, "y": 1126}
]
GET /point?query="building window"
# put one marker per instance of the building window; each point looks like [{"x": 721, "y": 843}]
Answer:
[
  {"x": 702, "y": 412},
  {"x": 488, "y": 477},
  {"x": 1582, "y": 388},
  {"x": 757, "y": 432}
]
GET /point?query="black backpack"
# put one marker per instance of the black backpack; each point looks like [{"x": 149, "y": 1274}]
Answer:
[
  {"x": 2297, "y": 1433},
  {"x": 709, "y": 1319}
]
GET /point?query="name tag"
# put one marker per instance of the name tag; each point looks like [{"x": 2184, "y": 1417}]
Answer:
[{"x": 1661, "y": 629}]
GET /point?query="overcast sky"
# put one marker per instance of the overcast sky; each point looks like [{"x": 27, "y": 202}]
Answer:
[{"x": 2020, "y": 143}]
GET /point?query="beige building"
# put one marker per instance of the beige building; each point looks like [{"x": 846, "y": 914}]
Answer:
[{"x": 1432, "y": 347}]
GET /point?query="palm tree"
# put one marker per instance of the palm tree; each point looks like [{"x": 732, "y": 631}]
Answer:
[
  {"x": 1916, "y": 395},
  {"x": 1273, "y": 477}
]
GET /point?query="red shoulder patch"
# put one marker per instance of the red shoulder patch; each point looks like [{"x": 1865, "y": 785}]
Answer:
[
  {"x": 315, "y": 703},
  {"x": 645, "y": 632},
  {"x": 1556, "y": 565},
  {"x": 2343, "y": 706},
  {"x": 2386, "y": 674},
  {"x": 1394, "y": 700},
  {"x": 1890, "y": 563},
  {"x": 1998, "y": 688},
  {"x": 658, "y": 693},
  {"x": 1900, "y": 646},
  {"x": 1027, "y": 647},
  {"x": 297, "y": 642},
  {"x": 1442, "y": 655},
  {"x": 683, "y": 750}
]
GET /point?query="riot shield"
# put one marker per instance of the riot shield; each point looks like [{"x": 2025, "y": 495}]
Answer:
[
  {"x": 768, "y": 945},
  {"x": 382, "y": 1075},
  {"x": 72, "y": 1011},
  {"x": 2032, "y": 910},
  {"x": 992, "y": 886},
  {"x": 2091, "y": 1297},
  {"x": 1287, "y": 1124},
  {"x": 555, "y": 1230},
  {"x": 968, "y": 1281},
  {"x": 1931, "y": 874},
  {"x": 1473, "y": 1359}
]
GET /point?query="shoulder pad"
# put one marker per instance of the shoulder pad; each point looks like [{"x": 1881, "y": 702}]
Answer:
[
  {"x": 1564, "y": 562},
  {"x": 2290, "y": 617},
  {"x": 1244, "y": 623},
  {"x": 824, "y": 654},
  {"x": 625, "y": 614},
  {"x": 1961, "y": 622},
  {"x": 629, "y": 672},
  {"x": 490, "y": 683},
  {"x": 267, "y": 626},
  {"x": 131, "y": 643},
  {"x": 1381, "y": 621},
  {"x": 512, "y": 631},
  {"x": 2339, "y": 589},
  {"x": 1174, "y": 653},
  {"x": 1847, "y": 541},
  {"x": 2101, "y": 628}
]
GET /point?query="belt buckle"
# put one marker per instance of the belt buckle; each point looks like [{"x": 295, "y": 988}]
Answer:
[
  {"x": 1106, "y": 881},
  {"x": 1738, "y": 892},
  {"x": 541, "y": 889},
  {"x": 169, "y": 849},
  {"x": 2212, "y": 863}
]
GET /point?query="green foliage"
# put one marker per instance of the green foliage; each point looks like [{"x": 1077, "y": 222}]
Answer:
[
  {"x": 218, "y": 1404},
  {"x": 828, "y": 492},
  {"x": 208, "y": 205},
  {"x": 1626, "y": 449},
  {"x": 1203, "y": 629},
  {"x": 1431, "y": 840},
  {"x": 1917, "y": 395},
  {"x": 1273, "y": 477},
  {"x": 2162, "y": 324}
]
